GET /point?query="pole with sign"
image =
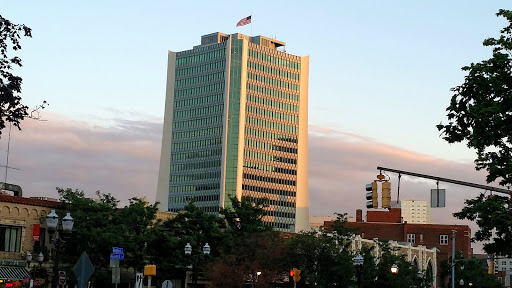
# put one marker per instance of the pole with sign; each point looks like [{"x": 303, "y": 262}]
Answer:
[{"x": 116, "y": 255}]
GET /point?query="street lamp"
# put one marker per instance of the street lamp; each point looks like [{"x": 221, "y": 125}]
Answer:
[
  {"x": 461, "y": 282},
  {"x": 40, "y": 259},
  {"x": 394, "y": 271},
  {"x": 28, "y": 258},
  {"x": 358, "y": 263},
  {"x": 188, "y": 251},
  {"x": 58, "y": 240},
  {"x": 420, "y": 278}
]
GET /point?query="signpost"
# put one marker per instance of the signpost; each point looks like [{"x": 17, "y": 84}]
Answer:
[
  {"x": 139, "y": 278},
  {"x": 62, "y": 278},
  {"x": 116, "y": 255},
  {"x": 167, "y": 284},
  {"x": 83, "y": 270}
]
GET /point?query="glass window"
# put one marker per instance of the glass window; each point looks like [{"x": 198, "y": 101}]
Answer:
[
  {"x": 443, "y": 239},
  {"x": 411, "y": 238},
  {"x": 10, "y": 238}
]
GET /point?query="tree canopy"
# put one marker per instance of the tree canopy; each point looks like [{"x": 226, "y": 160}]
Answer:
[
  {"x": 11, "y": 109},
  {"x": 480, "y": 114},
  {"x": 480, "y": 110}
]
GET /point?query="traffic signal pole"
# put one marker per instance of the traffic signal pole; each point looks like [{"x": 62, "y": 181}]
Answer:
[{"x": 447, "y": 180}]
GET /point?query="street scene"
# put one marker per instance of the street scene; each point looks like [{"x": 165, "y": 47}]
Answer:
[{"x": 248, "y": 145}]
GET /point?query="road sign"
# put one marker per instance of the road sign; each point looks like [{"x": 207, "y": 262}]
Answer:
[
  {"x": 167, "y": 284},
  {"x": 83, "y": 270},
  {"x": 62, "y": 277},
  {"x": 117, "y": 250},
  {"x": 139, "y": 278},
  {"x": 116, "y": 256}
]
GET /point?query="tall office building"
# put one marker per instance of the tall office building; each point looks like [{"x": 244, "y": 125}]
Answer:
[{"x": 236, "y": 124}]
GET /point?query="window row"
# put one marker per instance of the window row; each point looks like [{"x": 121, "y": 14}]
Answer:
[
  {"x": 194, "y": 188},
  {"x": 208, "y": 67},
  {"x": 271, "y": 114},
  {"x": 272, "y": 92},
  {"x": 269, "y": 168},
  {"x": 273, "y": 71},
  {"x": 195, "y": 176},
  {"x": 196, "y": 144},
  {"x": 273, "y": 82},
  {"x": 206, "y": 110},
  {"x": 197, "y": 122},
  {"x": 280, "y": 203},
  {"x": 207, "y": 209},
  {"x": 274, "y": 60},
  {"x": 268, "y": 146},
  {"x": 195, "y": 198},
  {"x": 199, "y": 79},
  {"x": 268, "y": 190},
  {"x": 216, "y": 87},
  {"x": 199, "y": 100},
  {"x": 195, "y": 165},
  {"x": 272, "y": 125},
  {"x": 270, "y": 179},
  {"x": 278, "y": 226},
  {"x": 271, "y": 103},
  {"x": 197, "y": 133},
  {"x": 176, "y": 156},
  {"x": 200, "y": 57},
  {"x": 269, "y": 135},
  {"x": 267, "y": 157}
]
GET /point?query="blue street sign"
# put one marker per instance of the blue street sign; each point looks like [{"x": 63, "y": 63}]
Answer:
[
  {"x": 117, "y": 250},
  {"x": 116, "y": 256}
]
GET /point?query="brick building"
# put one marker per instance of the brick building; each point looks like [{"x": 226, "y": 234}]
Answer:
[
  {"x": 388, "y": 225},
  {"x": 22, "y": 231}
]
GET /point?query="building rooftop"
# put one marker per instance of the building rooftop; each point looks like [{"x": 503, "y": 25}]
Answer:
[{"x": 28, "y": 201}]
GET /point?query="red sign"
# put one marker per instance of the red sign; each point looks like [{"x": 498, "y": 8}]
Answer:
[
  {"x": 35, "y": 232},
  {"x": 62, "y": 278}
]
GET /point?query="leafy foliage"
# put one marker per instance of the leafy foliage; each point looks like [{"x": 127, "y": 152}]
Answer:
[
  {"x": 480, "y": 110},
  {"x": 11, "y": 109},
  {"x": 470, "y": 271},
  {"x": 494, "y": 218}
]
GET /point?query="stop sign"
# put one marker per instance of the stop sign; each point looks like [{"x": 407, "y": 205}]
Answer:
[{"x": 62, "y": 277}]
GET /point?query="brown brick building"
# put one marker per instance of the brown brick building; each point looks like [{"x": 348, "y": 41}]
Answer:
[{"x": 388, "y": 225}]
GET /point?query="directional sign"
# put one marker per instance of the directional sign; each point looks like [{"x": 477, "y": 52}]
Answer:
[
  {"x": 139, "y": 278},
  {"x": 117, "y": 250},
  {"x": 83, "y": 270},
  {"x": 115, "y": 256},
  {"x": 167, "y": 284},
  {"x": 62, "y": 277}
]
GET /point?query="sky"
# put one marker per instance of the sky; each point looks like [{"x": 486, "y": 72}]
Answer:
[{"x": 380, "y": 79}]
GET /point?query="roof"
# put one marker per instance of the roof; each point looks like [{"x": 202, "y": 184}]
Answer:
[{"x": 28, "y": 201}]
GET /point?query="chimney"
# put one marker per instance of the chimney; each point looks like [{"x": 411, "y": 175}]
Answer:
[{"x": 359, "y": 215}]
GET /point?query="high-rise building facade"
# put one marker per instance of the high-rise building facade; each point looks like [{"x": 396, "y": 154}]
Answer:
[{"x": 236, "y": 124}]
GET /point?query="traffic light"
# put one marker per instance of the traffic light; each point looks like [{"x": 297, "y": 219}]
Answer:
[
  {"x": 386, "y": 194},
  {"x": 372, "y": 195},
  {"x": 296, "y": 275},
  {"x": 491, "y": 267}
]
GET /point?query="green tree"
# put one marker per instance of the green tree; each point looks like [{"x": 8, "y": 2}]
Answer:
[
  {"x": 493, "y": 216},
  {"x": 480, "y": 111},
  {"x": 469, "y": 270},
  {"x": 11, "y": 109},
  {"x": 194, "y": 226}
]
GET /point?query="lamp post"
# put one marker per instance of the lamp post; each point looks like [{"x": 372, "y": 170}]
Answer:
[
  {"x": 420, "y": 278},
  {"x": 358, "y": 263},
  {"x": 188, "y": 251},
  {"x": 58, "y": 240},
  {"x": 28, "y": 257},
  {"x": 40, "y": 259},
  {"x": 394, "y": 272}
]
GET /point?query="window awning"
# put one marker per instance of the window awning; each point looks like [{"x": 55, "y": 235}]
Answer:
[{"x": 13, "y": 273}]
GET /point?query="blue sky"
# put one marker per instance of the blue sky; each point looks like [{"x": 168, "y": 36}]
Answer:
[{"x": 380, "y": 79}]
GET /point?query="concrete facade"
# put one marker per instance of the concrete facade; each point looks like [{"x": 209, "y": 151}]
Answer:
[
  {"x": 236, "y": 124},
  {"x": 416, "y": 211}
]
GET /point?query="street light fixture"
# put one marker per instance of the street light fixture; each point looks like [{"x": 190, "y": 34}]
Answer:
[
  {"x": 394, "y": 271},
  {"x": 188, "y": 251},
  {"x": 28, "y": 258},
  {"x": 58, "y": 240},
  {"x": 40, "y": 259},
  {"x": 461, "y": 282},
  {"x": 358, "y": 263}
]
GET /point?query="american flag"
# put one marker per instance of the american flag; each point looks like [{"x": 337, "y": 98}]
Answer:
[{"x": 244, "y": 21}]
